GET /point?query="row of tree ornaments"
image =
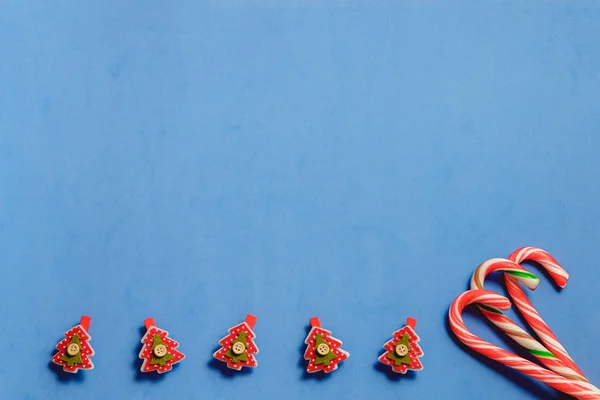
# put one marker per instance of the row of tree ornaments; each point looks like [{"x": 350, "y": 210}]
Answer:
[{"x": 159, "y": 352}]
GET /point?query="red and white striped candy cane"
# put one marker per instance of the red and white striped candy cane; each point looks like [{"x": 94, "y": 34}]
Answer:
[
  {"x": 533, "y": 318},
  {"x": 578, "y": 389},
  {"x": 514, "y": 331}
]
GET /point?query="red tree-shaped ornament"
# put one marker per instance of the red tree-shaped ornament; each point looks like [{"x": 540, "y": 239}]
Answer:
[
  {"x": 323, "y": 351},
  {"x": 402, "y": 352},
  {"x": 238, "y": 348},
  {"x": 74, "y": 351},
  {"x": 159, "y": 351}
]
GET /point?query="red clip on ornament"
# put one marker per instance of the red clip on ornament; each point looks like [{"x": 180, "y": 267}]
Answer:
[
  {"x": 323, "y": 351},
  {"x": 75, "y": 351},
  {"x": 159, "y": 351}
]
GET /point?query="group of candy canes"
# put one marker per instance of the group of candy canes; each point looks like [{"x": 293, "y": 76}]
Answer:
[
  {"x": 560, "y": 371},
  {"x": 159, "y": 352}
]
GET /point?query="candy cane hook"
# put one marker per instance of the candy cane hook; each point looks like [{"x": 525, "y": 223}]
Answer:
[
  {"x": 533, "y": 318},
  {"x": 578, "y": 389},
  {"x": 514, "y": 331}
]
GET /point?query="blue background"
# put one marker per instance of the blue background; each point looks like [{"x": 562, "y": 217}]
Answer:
[{"x": 194, "y": 161}]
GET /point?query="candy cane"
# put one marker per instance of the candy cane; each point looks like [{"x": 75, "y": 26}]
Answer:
[
  {"x": 578, "y": 389},
  {"x": 514, "y": 331},
  {"x": 533, "y": 318}
]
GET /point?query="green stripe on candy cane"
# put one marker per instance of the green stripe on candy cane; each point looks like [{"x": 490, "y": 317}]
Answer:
[
  {"x": 542, "y": 353},
  {"x": 503, "y": 265},
  {"x": 506, "y": 266},
  {"x": 490, "y": 309},
  {"x": 546, "y": 354},
  {"x": 518, "y": 333},
  {"x": 568, "y": 372},
  {"x": 523, "y": 274}
]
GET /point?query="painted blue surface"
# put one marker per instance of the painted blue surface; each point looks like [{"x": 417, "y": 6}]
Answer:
[{"x": 195, "y": 162}]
